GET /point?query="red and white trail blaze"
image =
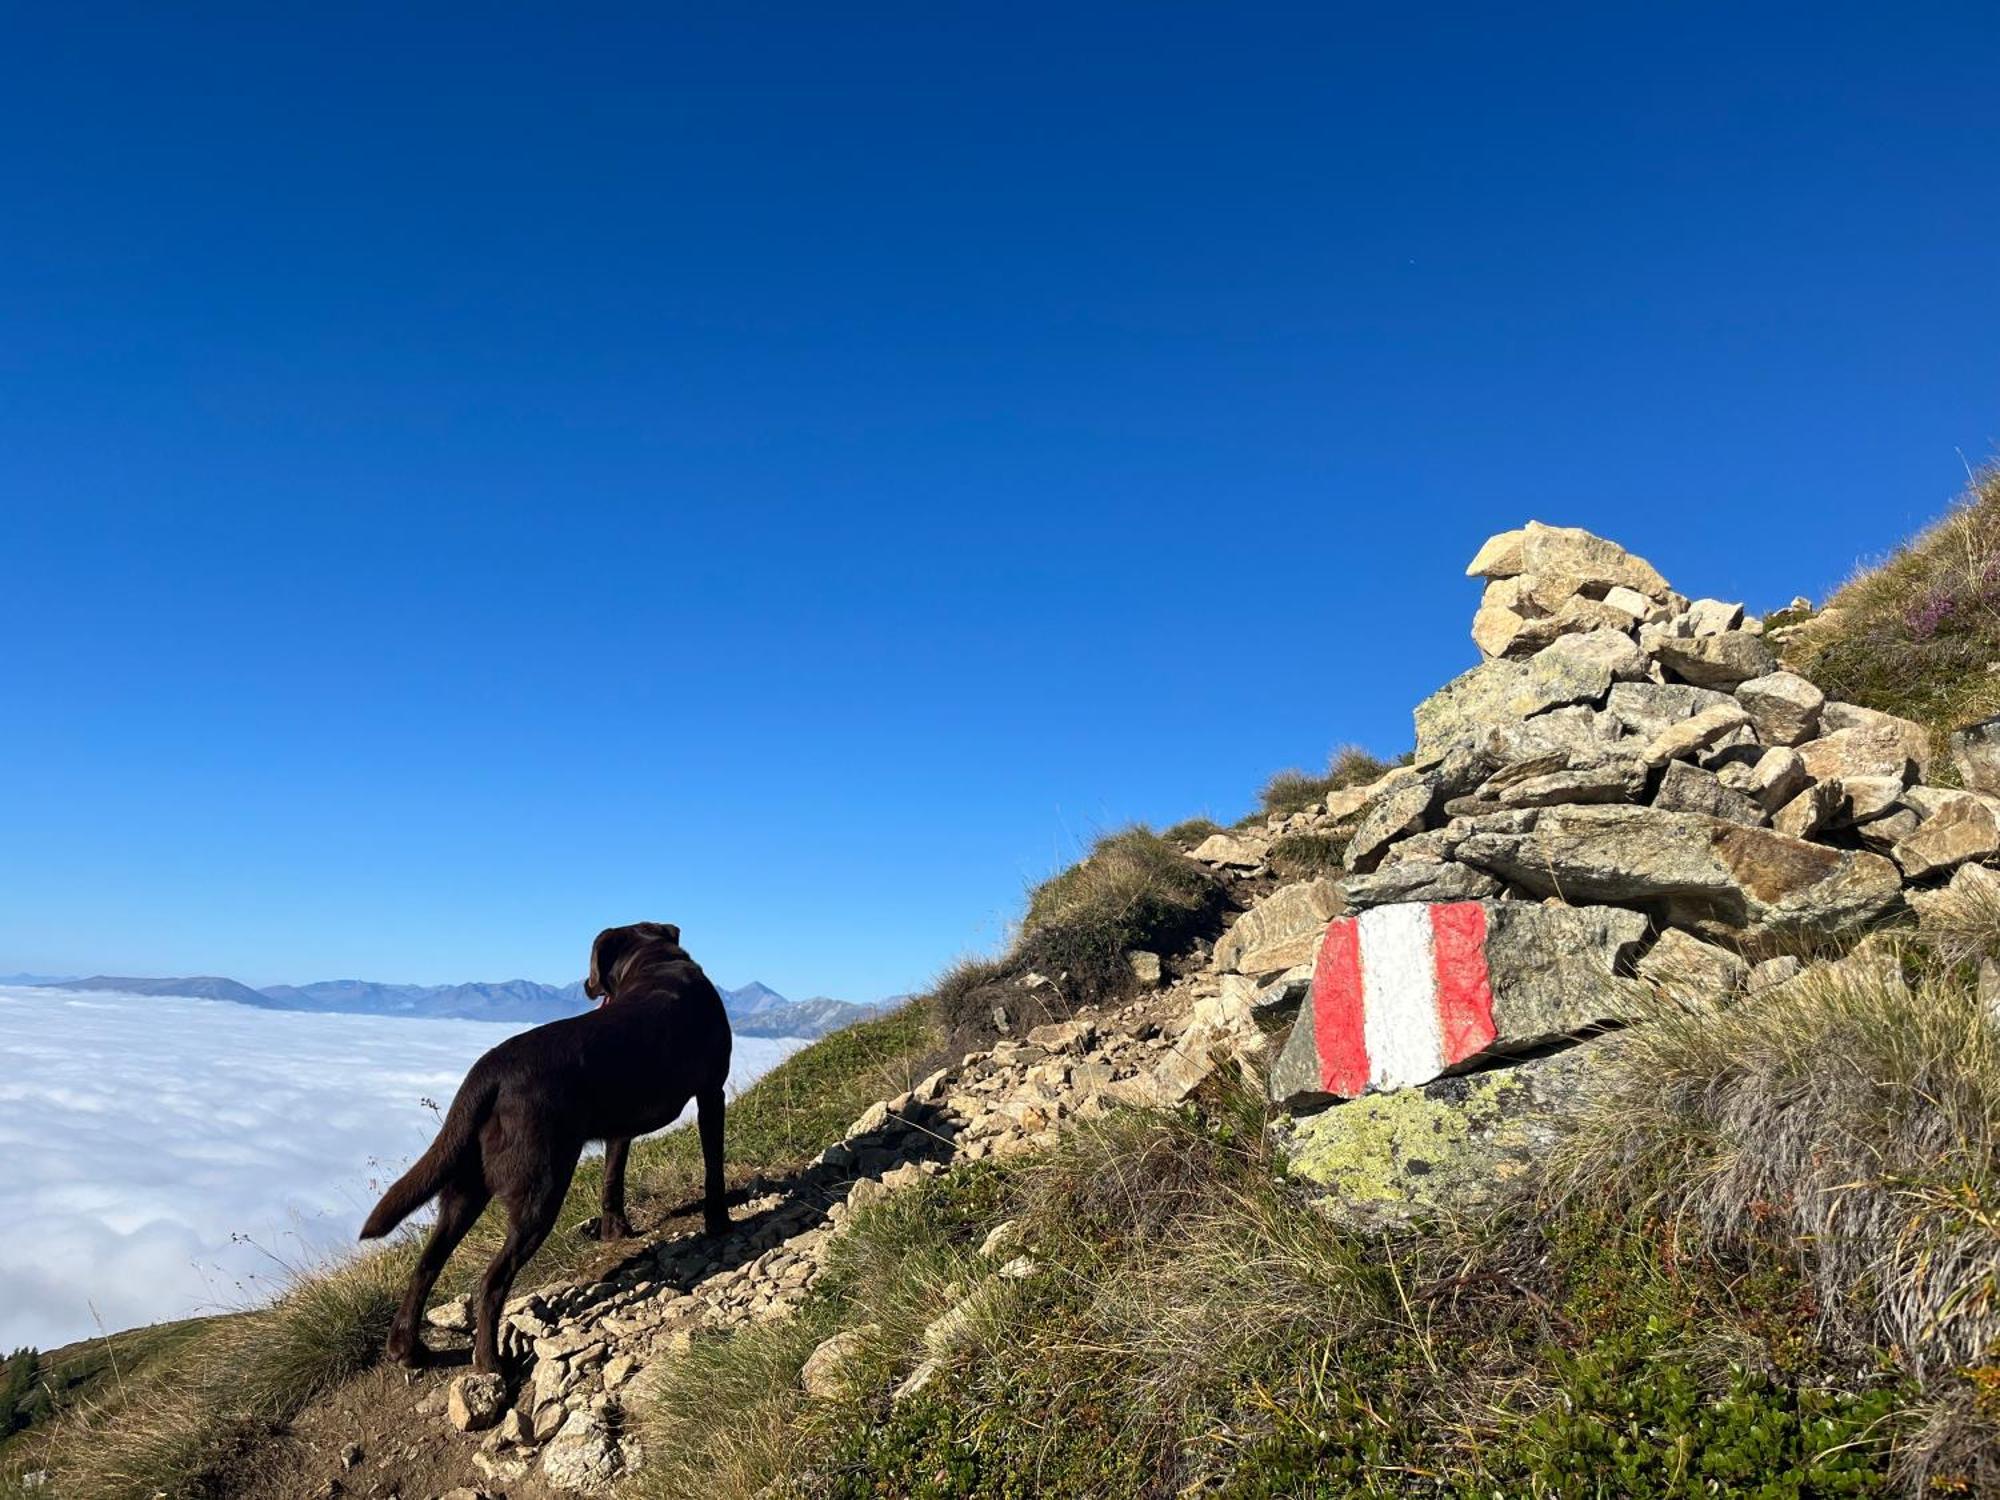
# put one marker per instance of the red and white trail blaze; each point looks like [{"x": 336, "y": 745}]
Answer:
[{"x": 1400, "y": 993}]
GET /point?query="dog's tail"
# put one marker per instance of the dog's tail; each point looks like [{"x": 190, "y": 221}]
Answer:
[{"x": 427, "y": 1174}]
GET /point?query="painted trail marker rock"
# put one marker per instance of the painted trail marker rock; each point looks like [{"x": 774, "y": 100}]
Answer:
[{"x": 1403, "y": 994}]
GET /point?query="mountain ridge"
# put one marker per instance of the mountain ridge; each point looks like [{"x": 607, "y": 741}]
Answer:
[{"x": 755, "y": 1009}]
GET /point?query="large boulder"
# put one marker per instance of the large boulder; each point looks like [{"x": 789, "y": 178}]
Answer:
[
  {"x": 1454, "y": 1143},
  {"x": 1405, "y": 993},
  {"x": 1694, "y": 869}
]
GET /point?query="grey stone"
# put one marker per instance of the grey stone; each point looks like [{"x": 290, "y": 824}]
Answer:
[
  {"x": 1813, "y": 809},
  {"x": 1964, "y": 830},
  {"x": 1970, "y": 903},
  {"x": 1717, "y": 661},
  {"x": 1346, "y": 803},
  {"x": 1145, "y": 968},
  {"x": 453, "y": 1315},
  {"x": 474, "y": 1402},
  {"x": 1428, "y": 881},
  {"x": 1865, "y": 798},
  {"x": 1691, "y": 973},
  {"x": 1861, "y": 742},
  {"x": 1453, "y": 1145},
  {"x": 589, "y": 1455},
  {"x": 1285, "y": 913},
  {"x": 1241, "y": 850},
  {"x": 1691, "y": 736},
  {"x": 1778, "y": 776},
  {"x": 1566, "y": 552},
  {"x": 1686, "y": 788},
  {"x": 1773, "y": 972},
  {"x": 1883, "y": 834},
  {"x": 1784, "y": 707},
  {"x": 828, "y": 1370},
  {"x": 1713, "y": 617},
  {"x": 1498, "y": 693},
  {"x": 1613, "y": 779},
  {"x": 1975, "y": 750},
  {"x": 1753, "y": 880},
  {"x": 1553, "y": 971},
  {"x": 1647, "y": 708},
  {"x": 1402, "y": 811}
]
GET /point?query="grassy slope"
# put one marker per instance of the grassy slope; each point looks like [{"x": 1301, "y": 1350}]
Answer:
[{"x": 1917, "y": 635}]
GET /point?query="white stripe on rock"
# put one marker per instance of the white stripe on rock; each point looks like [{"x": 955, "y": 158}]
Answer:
[{"x": 1399, "y": 982}]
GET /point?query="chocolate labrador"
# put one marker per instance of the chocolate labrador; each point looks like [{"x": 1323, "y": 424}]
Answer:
[{"x": 658, "y": 1038}]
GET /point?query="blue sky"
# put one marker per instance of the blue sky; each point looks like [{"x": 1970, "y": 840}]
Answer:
[{"x": 468, "y": 476}]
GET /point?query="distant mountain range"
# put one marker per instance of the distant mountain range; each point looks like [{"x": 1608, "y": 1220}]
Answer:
[{"x": 754, "y": 1010}]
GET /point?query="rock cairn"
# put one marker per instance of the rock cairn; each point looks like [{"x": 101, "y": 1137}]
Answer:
[{"x": 1629, "y": 798}]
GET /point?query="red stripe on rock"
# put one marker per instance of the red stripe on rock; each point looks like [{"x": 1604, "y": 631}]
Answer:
[
  {"x": 1464, "y": 988},
  {"x": 1339, "y": 1026}
]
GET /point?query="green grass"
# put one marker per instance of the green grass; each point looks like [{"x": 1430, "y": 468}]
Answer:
[
  {"x": 1198, "y": 1326},
  {"x": 1293, "y": 791},
  {"x": 1915, "y": 635}
]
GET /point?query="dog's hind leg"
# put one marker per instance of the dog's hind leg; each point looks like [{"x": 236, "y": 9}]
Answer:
[
  {"x": 611, "y": 1221},
  {"x": 715, "y": 1217},
  {"x": 531, "y": 1214},
  {"x": 459, "y": 1205}
]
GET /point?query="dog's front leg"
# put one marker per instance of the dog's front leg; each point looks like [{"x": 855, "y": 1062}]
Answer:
[
  {"x": 715, "y": 1217},
  {"x": 611, "y": 1221}
]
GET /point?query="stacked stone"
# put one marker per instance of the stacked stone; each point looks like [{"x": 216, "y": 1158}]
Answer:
[
  {"x": 1622, "y": 743},
  {"x": 1641, "y": 800}
]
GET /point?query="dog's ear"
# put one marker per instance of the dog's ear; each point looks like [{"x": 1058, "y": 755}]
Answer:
[
  {"x": 671, "y": 933},
  {"x": 611, "y": 947}
]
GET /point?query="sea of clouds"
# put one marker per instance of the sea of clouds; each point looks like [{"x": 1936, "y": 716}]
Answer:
[{"x": 163, "y": 1157}]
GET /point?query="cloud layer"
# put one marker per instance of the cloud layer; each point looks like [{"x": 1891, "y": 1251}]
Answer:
[{"x": 162, "y": 1157}]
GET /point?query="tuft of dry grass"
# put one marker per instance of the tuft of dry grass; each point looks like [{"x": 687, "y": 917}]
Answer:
[
  {"x": 1134, "y": 890},
  {"x": 1849, "y": 1119},
  {"x": 1917, "y": 634},
  {"x": 244, "y": 1375},
  {"x": 1293, "y": 791}
]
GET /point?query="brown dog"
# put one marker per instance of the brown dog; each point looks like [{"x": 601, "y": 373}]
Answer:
[{"x": 514, "y": 1132}]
